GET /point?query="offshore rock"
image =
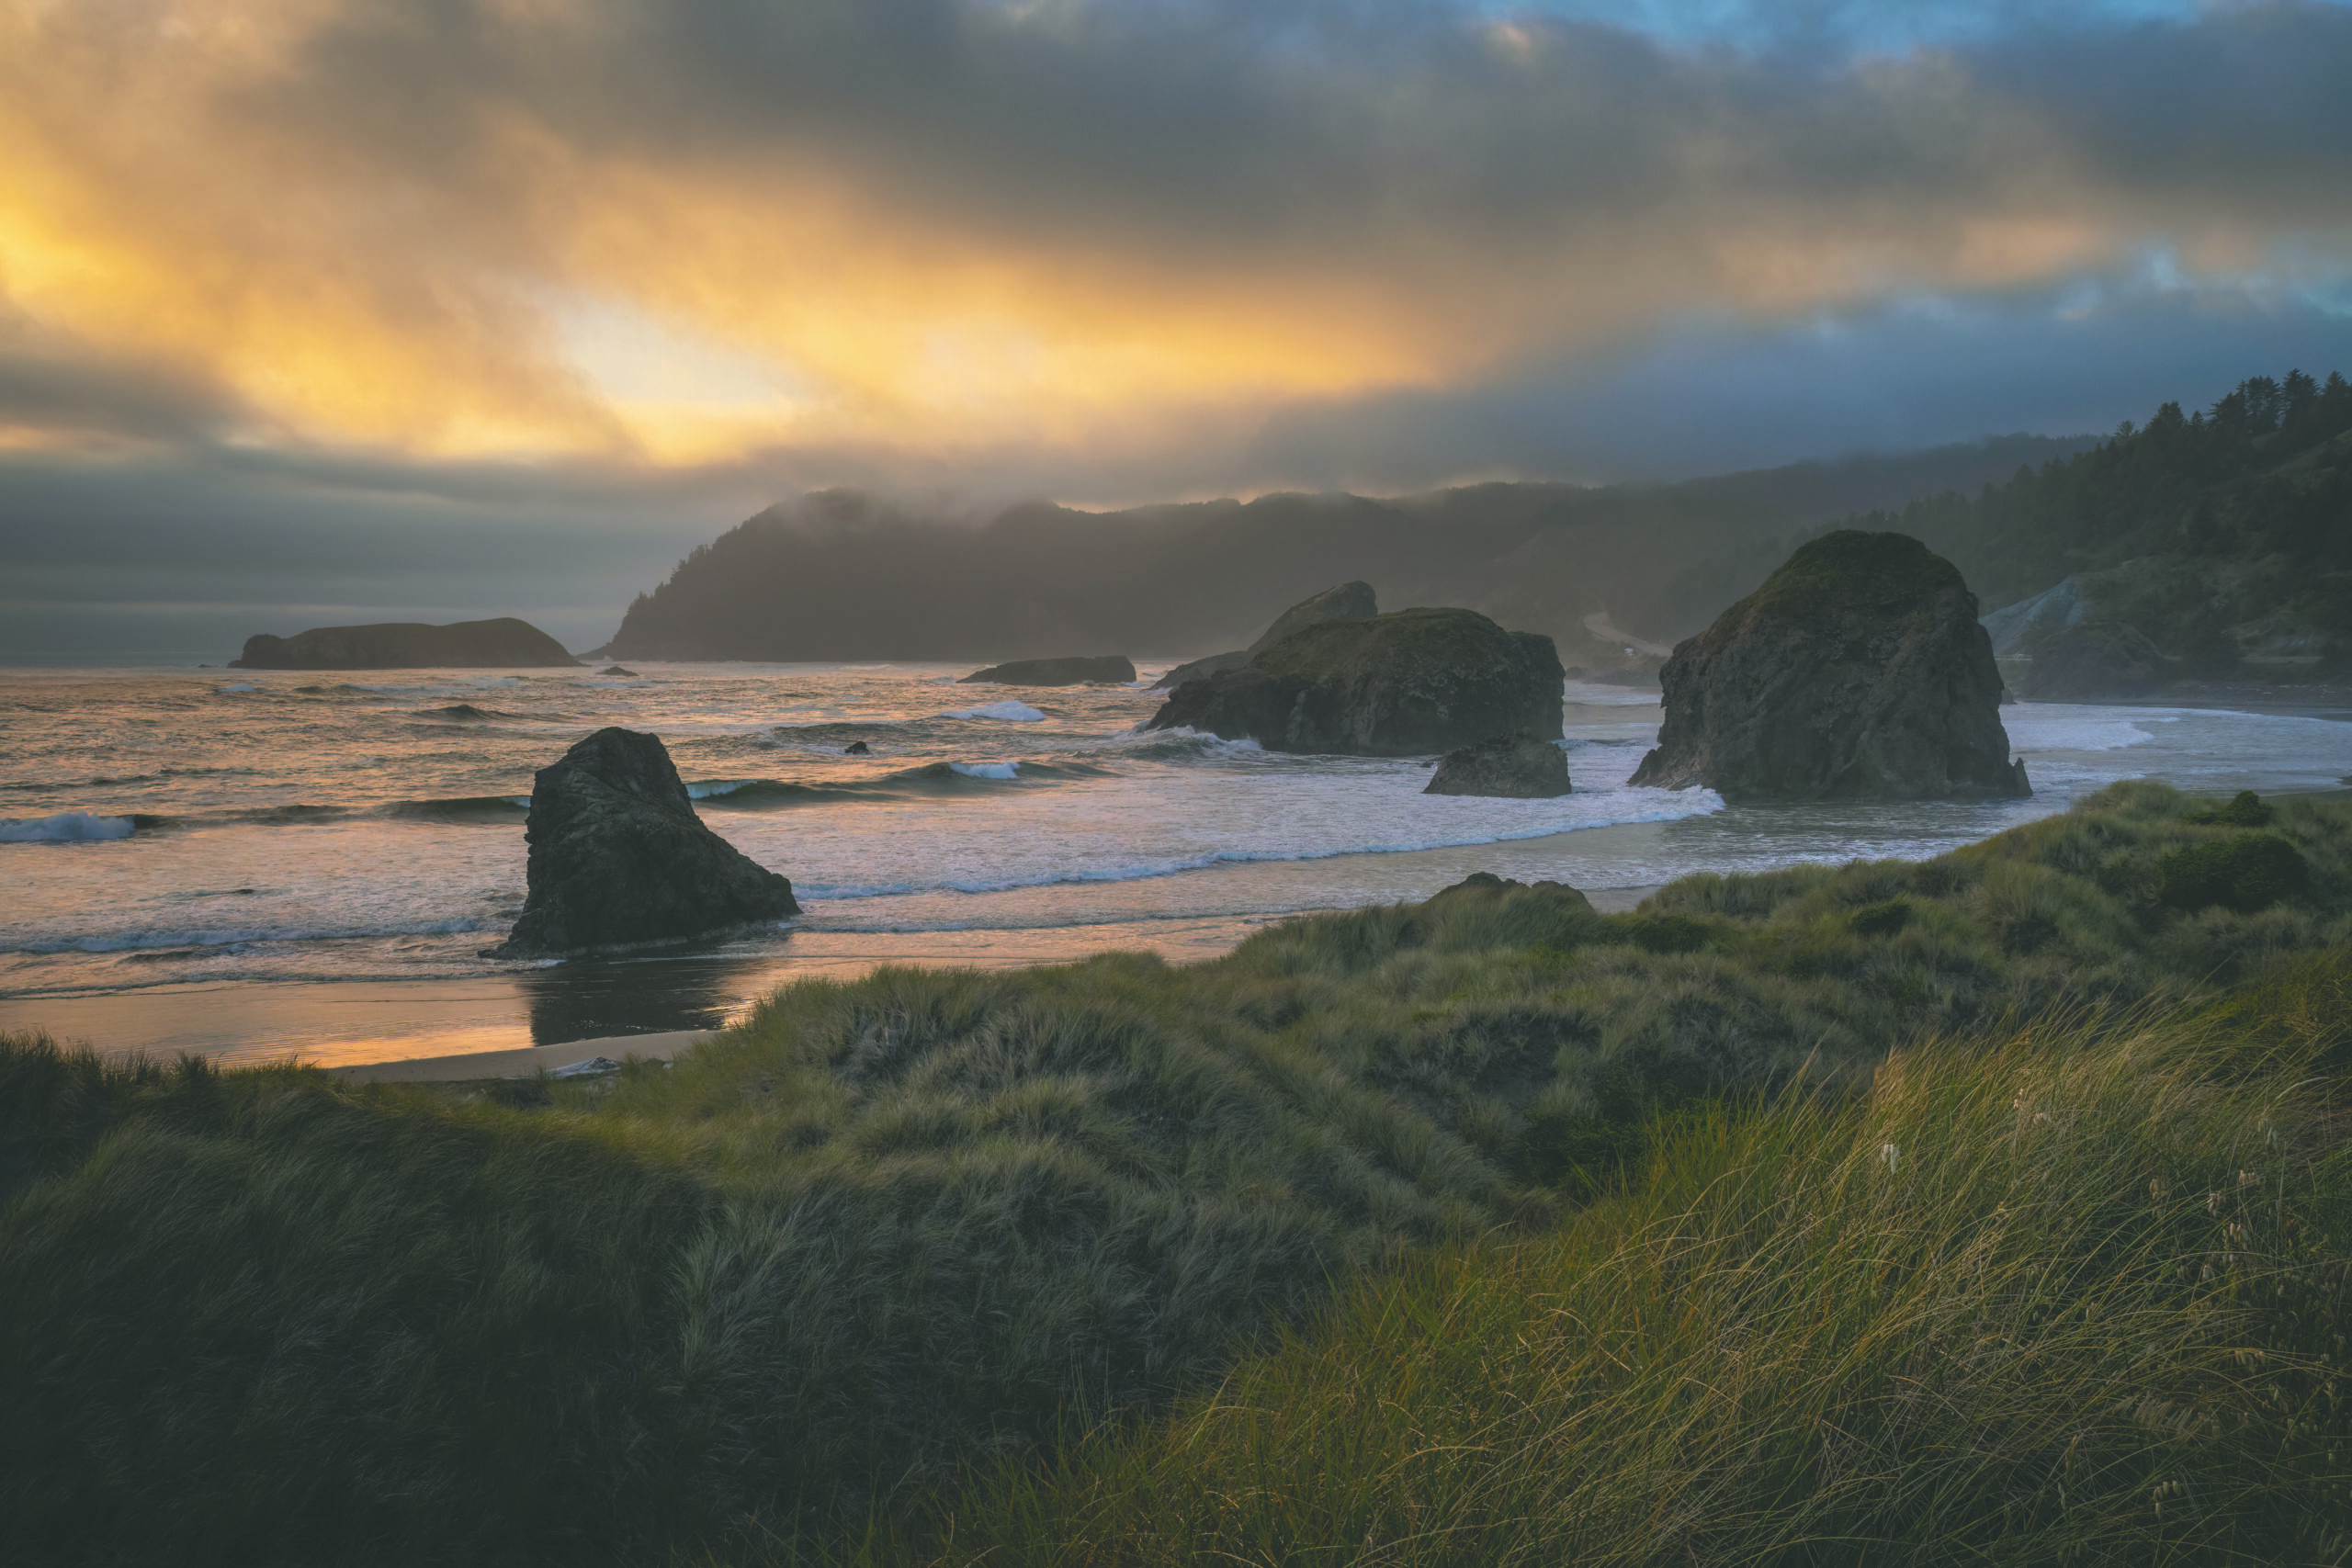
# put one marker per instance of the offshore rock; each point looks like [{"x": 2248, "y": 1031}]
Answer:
[
  {"x": 1405, "y": 684},
  {"x": 1517, "y": 767},
  {"x": 1348, "y": 601},
  {"x": 1858, "y": 671},
  {"x": 1109, "y": 668},
  {"x": 619, "y": 858},
  {"x": 503, "y": 643},
  {"x": 2091, "y": 661}
]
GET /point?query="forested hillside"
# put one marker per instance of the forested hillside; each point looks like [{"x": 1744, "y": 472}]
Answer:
[
  {"x": 844, "y": 575},
  {"x": 2219, "y": 534}
]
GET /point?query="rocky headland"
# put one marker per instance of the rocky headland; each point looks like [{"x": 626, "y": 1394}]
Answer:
[
  {"x": 1109, "y": 668},
  {"x": 502, "y": 643},
  {"x": 2094, "y": 659},
  {"x": 1858, "y": 671},
  {"x": 1514, "y": 767},
  {"x": 619, "y": 858},
  {"x": 1408, "y": 684}
]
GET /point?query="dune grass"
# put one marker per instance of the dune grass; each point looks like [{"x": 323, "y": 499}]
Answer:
[
  {"x": 2075, "y": 1295},
  {"x": 891, "y": 1230}
]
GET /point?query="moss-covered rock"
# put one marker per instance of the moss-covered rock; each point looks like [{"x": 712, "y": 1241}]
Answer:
[
  {"x": 1408, "y": 684},
  {"x": 1857, "y": 672}
]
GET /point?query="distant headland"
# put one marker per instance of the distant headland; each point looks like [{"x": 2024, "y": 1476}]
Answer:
[{"x": 407, "y": 645}]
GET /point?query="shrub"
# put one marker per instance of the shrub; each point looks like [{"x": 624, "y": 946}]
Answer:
[{"x": 2246, "y": 874}]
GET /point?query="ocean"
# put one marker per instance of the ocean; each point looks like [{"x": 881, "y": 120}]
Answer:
[{"x": 258, "y": 865}]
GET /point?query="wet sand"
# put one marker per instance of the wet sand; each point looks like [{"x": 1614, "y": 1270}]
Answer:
[{"x": 555, "y": 1014}]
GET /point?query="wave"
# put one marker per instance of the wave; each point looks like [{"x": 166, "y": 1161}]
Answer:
[
  {"x": 466, "y": 713},
  {"x": 926, "y": 779},
  {"x": 147, "y": 941},
  {"x": 65, "y": 828},
  {"x": 1691, "y": 803},
  {"x": 493, "y": 809},
  {"x": 1010, "y": 711}
]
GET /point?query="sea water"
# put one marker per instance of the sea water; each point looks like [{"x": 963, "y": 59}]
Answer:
[{"x": 259, "y": 863}]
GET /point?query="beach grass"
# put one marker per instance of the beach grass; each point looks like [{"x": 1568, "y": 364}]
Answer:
[
  {"x": 2077, "y": 1293},
  {"x": 891, "y": 1236}
]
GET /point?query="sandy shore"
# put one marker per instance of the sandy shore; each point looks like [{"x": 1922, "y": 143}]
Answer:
[{"x": 526, "y": 1062}]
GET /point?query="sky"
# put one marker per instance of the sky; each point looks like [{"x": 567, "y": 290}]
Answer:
[{"x": 325, "y": 310}]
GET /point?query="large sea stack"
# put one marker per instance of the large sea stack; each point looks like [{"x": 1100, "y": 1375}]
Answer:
[
  {"x": 619, "y": 858},
  {"x": 1348, "y": 601},
  {"x": 502, "y": 644},
  {"x": 1403, "y": 685},
  {"x": 1858, "y": 671}
]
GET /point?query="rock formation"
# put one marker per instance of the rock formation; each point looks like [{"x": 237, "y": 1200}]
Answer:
[
  {"x": 1518, "y": 767},
  {"x": 1348, "y": 601},
  {"x": 2093, "y": 659},
  {"x": 617, "y": 670},
  {"x": 1110, "y": 669},
  {"x": 858, "y": 749},
  {"x": 504, "y": 643},
  {"x": 1405, "y": 684},
  {"x": 619, "y": 859},
  {"x": 1857, "y": 672}
]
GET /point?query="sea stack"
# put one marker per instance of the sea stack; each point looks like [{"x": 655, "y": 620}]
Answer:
[
  {"x": 1403, "y": 685},
  {"x": 1512, "y": 767},
  {"x": 1106, "y": 669},
  {"x": 1348, "y": 601},
  {"x": 619, "y": 858},
  {"x": 1858, "y": 671}
]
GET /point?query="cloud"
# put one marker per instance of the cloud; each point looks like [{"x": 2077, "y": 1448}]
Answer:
[{"x": 935, "y": 232}]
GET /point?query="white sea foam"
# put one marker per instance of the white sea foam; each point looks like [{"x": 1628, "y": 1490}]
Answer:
[
  {"x": 2066, "y": 728},
  {"x": 985, "y": 770},
  {"x": 66, "y": 828},
  {"x": 1015, "y": 712}
]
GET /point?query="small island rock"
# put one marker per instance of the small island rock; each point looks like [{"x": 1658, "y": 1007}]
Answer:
[
  {"x": 500, "y": 644},
  {"x": 2091, "y": 661},
  {"x": 1858, "y": 671},
  {"x": 1348, "y": 601},
  {"x": 617, "y": 670},
  {"x": 1109, "y": 668},
  {"x": 619, "y": 858},
  {"x": 858, "y": 749},
  {"x": 1402, "y": 685},
  {"x": 1516, "y": 767}
]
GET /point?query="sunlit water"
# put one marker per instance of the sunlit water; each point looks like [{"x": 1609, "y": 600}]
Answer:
[{"x": 216, "y": 842}]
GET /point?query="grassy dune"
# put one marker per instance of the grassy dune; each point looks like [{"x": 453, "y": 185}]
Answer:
[
  {"x": 893, "y": 1235},
  {"x": 2077, "y": 1295}
]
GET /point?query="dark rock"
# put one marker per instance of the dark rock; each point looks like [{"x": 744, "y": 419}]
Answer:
[
  {"x": 1403, "y": 684},
  {"x": 1201, "y": 669},
  {"x": 2093, "y": 659},
  {"x": 1348, "y": 601},
  {"x": 503, "y": 643},
  {"x": 858, "y": 749},
  {"x": 1858, "y": 671},
  {"x": 619, "y": 859},
  {"x": 1518, "y": 767},
  {"x": 1109, "y": 668},
  {"x": 617, "y": 670}
]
